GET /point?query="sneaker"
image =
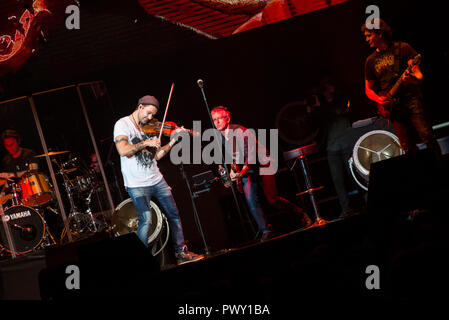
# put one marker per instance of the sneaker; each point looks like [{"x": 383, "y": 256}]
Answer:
[{"x": 185, "y": 256}]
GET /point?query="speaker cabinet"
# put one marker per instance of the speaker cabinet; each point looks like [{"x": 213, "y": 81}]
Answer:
[
  {"x": 119, "y": 266},
  {"x": 406, "y": 182}
]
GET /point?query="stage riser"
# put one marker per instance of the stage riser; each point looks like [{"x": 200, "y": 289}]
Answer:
[{"x": 261, "y": 270}]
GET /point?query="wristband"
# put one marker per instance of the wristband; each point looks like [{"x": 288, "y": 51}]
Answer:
[{"x": 172, "y": 142}]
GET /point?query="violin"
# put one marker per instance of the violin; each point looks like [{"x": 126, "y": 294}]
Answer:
[{"x": 154, "y": 127}]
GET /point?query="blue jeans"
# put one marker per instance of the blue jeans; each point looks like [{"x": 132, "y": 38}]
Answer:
[
  {"x": 250, "y": 189},
  {"x": 141, "y": 197}
]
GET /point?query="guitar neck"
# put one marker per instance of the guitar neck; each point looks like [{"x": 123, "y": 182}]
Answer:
[{"x": 395, "y": 88}]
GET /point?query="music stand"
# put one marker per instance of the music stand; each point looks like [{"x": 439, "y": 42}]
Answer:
[{"x": 203, "y": 180}]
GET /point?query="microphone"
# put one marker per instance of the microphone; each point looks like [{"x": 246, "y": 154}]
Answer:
[{"x": 200, "y": 83}]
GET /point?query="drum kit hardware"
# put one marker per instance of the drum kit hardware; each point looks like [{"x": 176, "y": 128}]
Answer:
[
  {"x": 79, "y": 187},
  {"x": 24, "y": 228}
]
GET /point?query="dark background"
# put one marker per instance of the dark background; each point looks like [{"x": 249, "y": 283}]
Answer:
[{"x": 254, "y": 74}]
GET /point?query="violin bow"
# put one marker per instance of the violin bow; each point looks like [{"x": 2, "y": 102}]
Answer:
[{"x": 166, "y": 109}]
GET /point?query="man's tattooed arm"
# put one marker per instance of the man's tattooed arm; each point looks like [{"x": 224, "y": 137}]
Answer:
[
  {"x": 128, "y": 150},
  {"x": 125, "y": 149}
]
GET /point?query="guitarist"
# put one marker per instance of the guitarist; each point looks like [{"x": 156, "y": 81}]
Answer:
[
  {"x": 247, "y": 174},
  {"x": 392, "y": 61}
]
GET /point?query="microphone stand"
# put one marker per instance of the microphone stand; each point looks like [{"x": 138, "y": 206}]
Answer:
[
  {"x": 195, "y": 212},
  {"x": 234, "y": 194},
  {"x": 114, "y": 173}
]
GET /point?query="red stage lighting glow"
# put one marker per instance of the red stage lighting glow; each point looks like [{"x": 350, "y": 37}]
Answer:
[
  {"x": 14, "y": 52},
  {"x": 221, "y": 18}
]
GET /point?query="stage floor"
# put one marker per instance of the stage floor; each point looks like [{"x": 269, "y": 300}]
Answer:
[
  {"x": 384, "y": 255},
  {"x": 327, "y": 264}
]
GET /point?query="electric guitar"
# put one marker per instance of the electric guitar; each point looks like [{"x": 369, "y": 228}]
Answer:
[
  {"x": 385, "y": 110},
  {"x": 238, "y": 182}
]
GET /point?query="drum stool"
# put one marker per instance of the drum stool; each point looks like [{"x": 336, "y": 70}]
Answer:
[{"x": 301, "y": 155}]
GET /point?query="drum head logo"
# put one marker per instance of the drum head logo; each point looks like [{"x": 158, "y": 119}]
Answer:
[{"x": 17, "y": 215}]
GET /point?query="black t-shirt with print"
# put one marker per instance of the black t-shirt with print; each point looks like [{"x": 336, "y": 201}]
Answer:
[{"x": 380, "y": 66}]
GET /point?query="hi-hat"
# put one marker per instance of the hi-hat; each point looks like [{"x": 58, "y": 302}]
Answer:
[{"x": 52, "y": 153}]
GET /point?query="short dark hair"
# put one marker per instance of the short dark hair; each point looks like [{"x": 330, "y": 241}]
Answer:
[
  {"x": 384, "y": 29},
  {"x": 11, "y": 134}
]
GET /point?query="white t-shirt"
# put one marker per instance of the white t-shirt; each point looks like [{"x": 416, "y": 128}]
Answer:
[{"x": 141, "y": 169}]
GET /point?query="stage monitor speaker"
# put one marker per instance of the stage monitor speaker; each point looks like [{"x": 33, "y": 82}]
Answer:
[
  {"x": 118, "y": 266},
  {"x": 405, "y": 182},
  {"x": 19, "y": 277}
]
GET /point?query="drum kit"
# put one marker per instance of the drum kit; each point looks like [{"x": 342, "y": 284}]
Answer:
[{"x": 24, "y": 228}]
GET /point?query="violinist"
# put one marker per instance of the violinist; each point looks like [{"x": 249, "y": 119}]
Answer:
[{"x": 141, "y": 175}]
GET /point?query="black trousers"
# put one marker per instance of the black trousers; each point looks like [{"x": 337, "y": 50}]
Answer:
[{"x": 411, "y": 124}]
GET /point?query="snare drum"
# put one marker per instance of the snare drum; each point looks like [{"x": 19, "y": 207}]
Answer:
[
  {"x": 36, "y": 190},
  {"x": 27, "y": 229}
]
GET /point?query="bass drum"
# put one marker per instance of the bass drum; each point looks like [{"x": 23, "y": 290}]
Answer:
[
  {"x": 373, "y": 146},
  {"x": 27, "y": 229},
  {"x": 125, "y": 220}
]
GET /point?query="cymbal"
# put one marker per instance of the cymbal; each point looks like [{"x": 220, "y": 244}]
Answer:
[{"x": 53, "y": 153}]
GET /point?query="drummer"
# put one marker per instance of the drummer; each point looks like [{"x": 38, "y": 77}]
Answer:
[{"x": 18, "y": 159}]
